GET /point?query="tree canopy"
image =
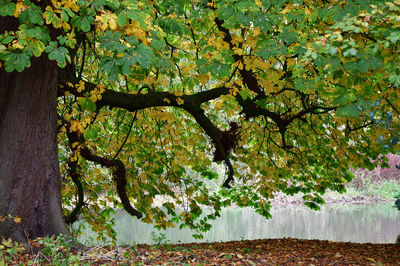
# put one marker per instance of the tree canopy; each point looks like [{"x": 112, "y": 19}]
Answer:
[{"x": 287, "y": 95}]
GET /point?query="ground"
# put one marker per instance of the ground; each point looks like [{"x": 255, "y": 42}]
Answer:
[{"x": 287, "y": 251}]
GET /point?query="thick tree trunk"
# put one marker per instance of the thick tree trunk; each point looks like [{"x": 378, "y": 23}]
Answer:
[{"x": 30, "y": 182}]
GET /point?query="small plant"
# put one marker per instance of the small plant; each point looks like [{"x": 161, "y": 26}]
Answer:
[
  {"x": 9, "y": 250},
  {"x": 55, "y": 250},
  {"x": 159, "y": 239},
  {"x": 247, "y": 250},
  {"x": 228, "y": 256},
  {"x": 398, "y": 240}
]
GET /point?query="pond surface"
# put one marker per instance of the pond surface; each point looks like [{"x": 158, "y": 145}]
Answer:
[{"x": 378, "y": 223}]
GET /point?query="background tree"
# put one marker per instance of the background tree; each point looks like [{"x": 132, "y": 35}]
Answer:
[{"x": 150, "y": 94}]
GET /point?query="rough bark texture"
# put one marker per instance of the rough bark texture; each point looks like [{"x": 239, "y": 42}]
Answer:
[{"x": 30, "y": 182}]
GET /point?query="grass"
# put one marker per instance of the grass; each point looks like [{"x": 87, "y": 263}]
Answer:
[
  {"x": 383, "y": 183},
  {"x": 385, "y": 189}
]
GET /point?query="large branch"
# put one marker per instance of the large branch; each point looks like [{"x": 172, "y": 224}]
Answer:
[
  {"x": 133, "y": 102},
  {"x": 191, "y": 104},
  {"x": 247, "y": 75},
  {"x": 215, "y": 134},
  {"x": 119, "y": 175},
  {"x": 116, "y": 166},
  {"x": 249, "y": 106}
]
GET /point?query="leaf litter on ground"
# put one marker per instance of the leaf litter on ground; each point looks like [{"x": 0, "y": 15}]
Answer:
[{"x": 286, "y": 251}]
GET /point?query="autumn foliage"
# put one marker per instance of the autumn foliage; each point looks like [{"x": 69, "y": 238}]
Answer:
[{"x": 287, "y": 95}]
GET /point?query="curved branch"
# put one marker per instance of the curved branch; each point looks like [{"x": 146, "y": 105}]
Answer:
[
  {"x": 191, "y": 103},
  {"x": 76, "y": 178},
  {"x": 119, "y": 176},
  {"x": 117, "y": 167},
  {"x": 215, "y": 134},
  {"x": 127, "y": 135},
  {"x": 247, "y": 75}
]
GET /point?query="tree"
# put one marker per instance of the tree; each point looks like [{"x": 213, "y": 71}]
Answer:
[{"x": 150, "y": 94}]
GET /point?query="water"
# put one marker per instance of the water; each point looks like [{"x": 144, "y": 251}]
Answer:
[{"x": 347, "y": 223}]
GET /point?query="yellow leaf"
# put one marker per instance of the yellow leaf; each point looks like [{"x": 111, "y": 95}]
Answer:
[
  {"x": 307, "y": 12},
  {"x": 74, "y": 157},
  {"x": 287, "y": 9},
  {"x": 66, "y": 26},
  {"x": 68, "y": 117},
  {"x": 203, "y": 78},
  {"x": 291, "y": 62},
  {"x": 112, "y": 22},
  {"x": 93, "y": 98},
  {"x": 240, "y": 65},
  {"x": 75, "y": 144},
  {"x": 17, "y": 220},
  {"x": 20, "y": 7},
  {"x": 178, "y": 93},
  {"x": 81, "y": 86},
  {"x": 87, "y": 120}
]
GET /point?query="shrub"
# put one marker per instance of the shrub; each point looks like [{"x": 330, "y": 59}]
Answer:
[{"x": 363, "y": 177}]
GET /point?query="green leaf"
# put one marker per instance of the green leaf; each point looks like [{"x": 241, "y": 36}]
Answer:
[
  {"x": 7, "y": 8},
  {"x": 209, "y": 175},
  {"x": 351, "y": 51},
  {"x": 111, "y": 42},
  {"x": 35, "y": 47},
  {"x": 109, "y": 66},
  {"x": 37, "y": 32},
  {"x": 33, "y": 14},
  {"x": 363, "y": 65},
  {"x": 82, "y": 23},
  {"x": 289, "y": 36},
  {"x": 7, "y": 39},
  {"x": 312, "y": 205},
  {"x": 245, "y": 94},
  {"x": 137, "y": 15},
  {"x": 64, "y": 15},
  {"x": 157, "y": 44},
  {"x": 87, "y": 104},
  {"x": 350, "y": 110},
  {"x": 85, "y": 23},
  {"x": 144, "y": 54},
  {"x": 122, "y": 19},
  {"x": 126, "y": 62},
  {"x": 16, "y": 61},
  {"x": 333, "y": 50},
  {"x": 60, "y": 55}
]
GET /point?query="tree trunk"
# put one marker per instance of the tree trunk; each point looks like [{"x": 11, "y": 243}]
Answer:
[{"x": 30, "y": 182}]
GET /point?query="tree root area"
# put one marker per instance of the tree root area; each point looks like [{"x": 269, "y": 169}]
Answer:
[{"x": 286, "y": 251}]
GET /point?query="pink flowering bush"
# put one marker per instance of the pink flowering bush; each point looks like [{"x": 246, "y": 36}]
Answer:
[{"x": 364, "y": 177}]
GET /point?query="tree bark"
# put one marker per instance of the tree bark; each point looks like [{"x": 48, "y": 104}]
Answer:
[{"x": 30, "y": 182}]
